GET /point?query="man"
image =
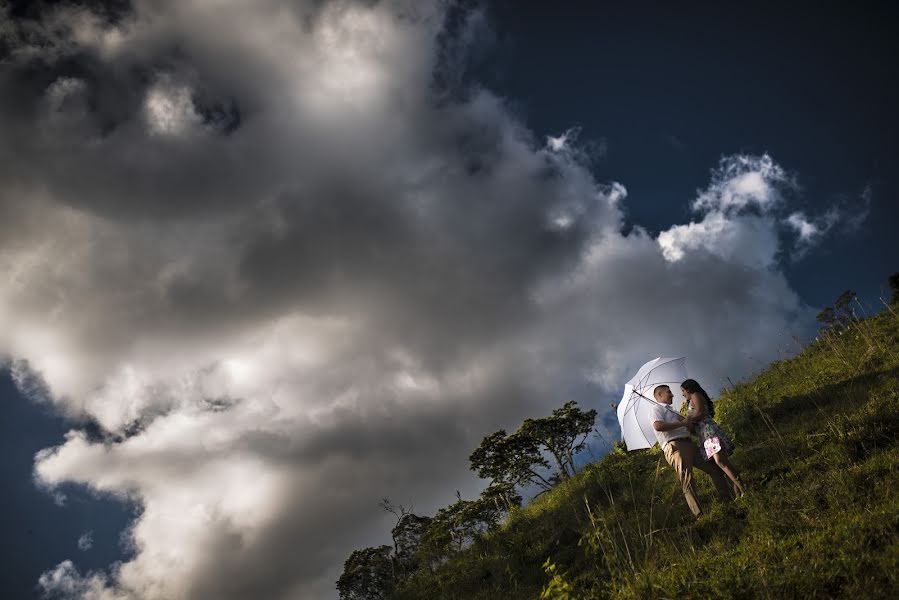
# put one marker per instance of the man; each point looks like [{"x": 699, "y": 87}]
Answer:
[{"x": 680, "y": 451}]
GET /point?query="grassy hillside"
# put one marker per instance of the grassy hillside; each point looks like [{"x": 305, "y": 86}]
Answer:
[{"x": 818, "y": 446}]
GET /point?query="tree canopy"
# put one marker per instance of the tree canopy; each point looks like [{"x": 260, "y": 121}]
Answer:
[
  {"x": 520, "y": 459},
  {"x": 562, "y": 434},
  {"x": 367, "y": 575}
]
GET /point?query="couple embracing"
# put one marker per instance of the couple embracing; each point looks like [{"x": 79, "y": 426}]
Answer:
[{"x": 710, "y": 456}]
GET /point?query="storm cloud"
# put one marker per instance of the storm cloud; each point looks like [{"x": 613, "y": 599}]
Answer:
[{"x": 288, "y": 264}]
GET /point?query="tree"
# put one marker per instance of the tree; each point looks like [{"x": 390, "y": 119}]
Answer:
[
  {"x": 562, "y": 434},
  {"x": 841, "y": 314},
  {"x": 827, "y": 318},
  {"x": 373, "y": 573},
  {"x": 457, "y": 526},
  {"x": 367, "y": 575},
  {"x": 503, "y": 495},
  {"x": 407, "y": 534},
  {"x": 519, "y": 460},
  {"x": 893, "y": 281},
  {"x": 510, "y": 460}
]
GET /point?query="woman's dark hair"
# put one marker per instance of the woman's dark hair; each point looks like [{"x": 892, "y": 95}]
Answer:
[{"x": 692, "y": 386}]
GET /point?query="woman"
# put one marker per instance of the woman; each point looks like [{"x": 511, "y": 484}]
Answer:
[{"x": 713, "y": 442}]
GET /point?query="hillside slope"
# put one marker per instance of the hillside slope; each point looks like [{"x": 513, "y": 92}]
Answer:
[{"x": 818, "y": 446}]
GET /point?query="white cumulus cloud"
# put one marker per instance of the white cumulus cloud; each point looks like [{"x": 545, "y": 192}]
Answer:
[
  {"x": 738, "y": 214},
  {"x": 743, "y": 181}
]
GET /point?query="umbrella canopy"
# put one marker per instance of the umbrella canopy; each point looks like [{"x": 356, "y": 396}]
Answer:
[{"x": 633, "y": 410}]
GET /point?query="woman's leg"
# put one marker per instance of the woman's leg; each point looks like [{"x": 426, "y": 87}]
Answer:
[{"x": 731, "y": 472}]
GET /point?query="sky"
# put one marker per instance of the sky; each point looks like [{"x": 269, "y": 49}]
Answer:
[{"x": 267, "y": 263}]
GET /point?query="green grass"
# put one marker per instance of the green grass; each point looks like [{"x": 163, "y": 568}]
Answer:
[{"x": 818, "y": 446}]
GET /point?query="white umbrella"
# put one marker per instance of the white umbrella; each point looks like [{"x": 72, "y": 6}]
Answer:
[{"x": 633, "y": 410}]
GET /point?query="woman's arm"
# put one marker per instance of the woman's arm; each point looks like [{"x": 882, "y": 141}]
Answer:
[{"x": 700, "y": 407}]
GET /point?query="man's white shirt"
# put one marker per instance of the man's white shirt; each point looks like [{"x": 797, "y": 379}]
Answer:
[{"x": 663, "y": 412}]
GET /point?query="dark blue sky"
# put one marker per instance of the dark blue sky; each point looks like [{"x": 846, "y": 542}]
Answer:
[
  {"x": 669, "y": 88},
  {"x": 673, "y": 87},
  {"x": 37, "y": 533}
]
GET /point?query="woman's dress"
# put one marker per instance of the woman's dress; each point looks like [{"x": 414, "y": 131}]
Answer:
[{"x": 712, "y": 438}]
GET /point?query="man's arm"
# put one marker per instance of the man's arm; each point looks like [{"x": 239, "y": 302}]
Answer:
[{"x": 665, "y": 426}]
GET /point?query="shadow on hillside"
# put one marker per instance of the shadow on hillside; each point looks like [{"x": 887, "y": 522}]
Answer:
[
  {"x": 830, "y": 399},
  {"x": 845, "y": 413}
]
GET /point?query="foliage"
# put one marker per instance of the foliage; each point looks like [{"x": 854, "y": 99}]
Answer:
[
  {"x": 407, "y": 535},
  {"x": 563, "y": 434},
  {"x": 511, "y": 460},
  {"x": 893, "y": 281},
  {"x": 519, "y": 460},
  {"x": 455, "y": 527},
  {"x": 367, "y": 575},
  {"x": 504, "y": 497},
  {"x": 557, "y": 588},
  {"x": 840, "y": 315},
  {"x": 373, "y": 573}
]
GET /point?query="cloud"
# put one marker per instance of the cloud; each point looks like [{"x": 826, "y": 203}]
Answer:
[
  {"x": 746, "y": 240},
  {"x": 738, "y": 210},
  {"x": 284, "y": 272},
  {"x": 564, "y": 142},
  {"x": 64, "y": 581},
  {"x": 856, "y": 213},
  {"x": 845, "y": 216},
  {"x": 744, "y": 181},
  {"x": 746, "y": 217},
  {"x": 169, "y": 110},
  {"x": 807, "y": 231},
  {"x": 86, "y": 541}
]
